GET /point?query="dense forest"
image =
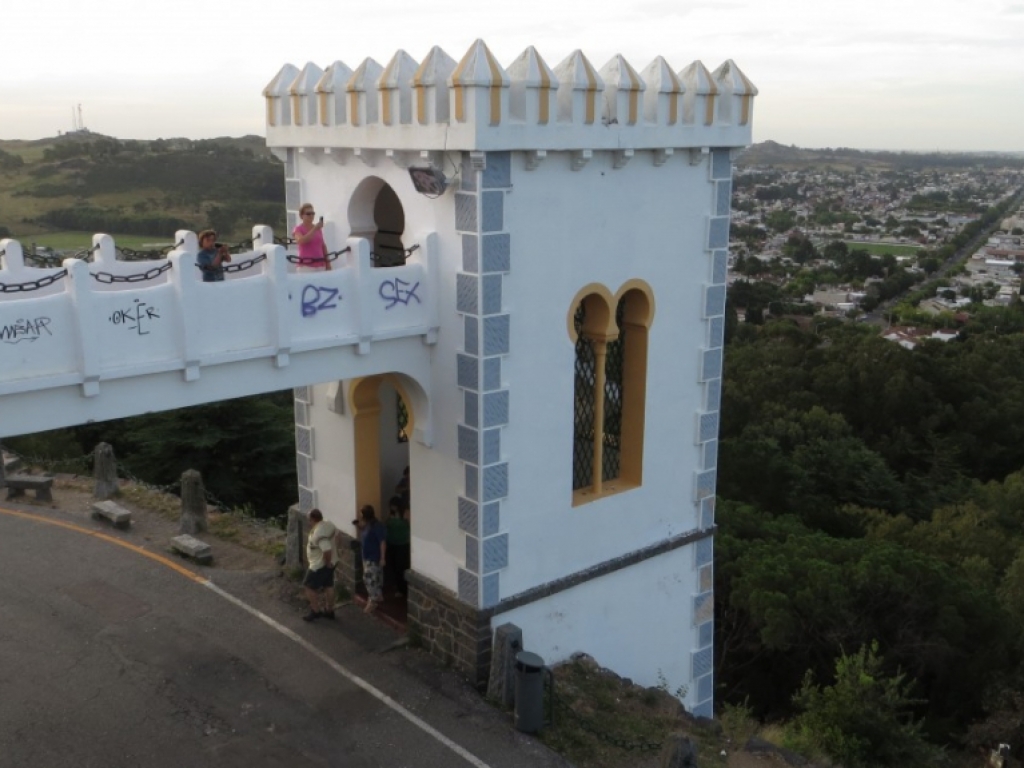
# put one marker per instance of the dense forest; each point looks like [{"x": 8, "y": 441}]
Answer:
[{"x": 871, "y": 513}]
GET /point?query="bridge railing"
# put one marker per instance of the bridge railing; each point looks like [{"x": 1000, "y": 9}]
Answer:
[{"x": 84, "y": 322}]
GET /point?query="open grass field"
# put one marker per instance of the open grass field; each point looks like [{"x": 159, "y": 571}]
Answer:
[
  {"x": 879, "y": 249},
  {"x": 66, "y": 241}
]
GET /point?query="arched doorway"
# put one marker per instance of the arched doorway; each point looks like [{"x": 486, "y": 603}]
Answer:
[
  {"x": 383, "y": 413},
  {"x": 376, "y": 213}
]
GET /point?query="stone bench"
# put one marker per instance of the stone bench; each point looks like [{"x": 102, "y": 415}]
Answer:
[
  {"x": 18, "y": 484},
  {"x": 193, "y": 548},
  {"x": 115, "y": 513}
]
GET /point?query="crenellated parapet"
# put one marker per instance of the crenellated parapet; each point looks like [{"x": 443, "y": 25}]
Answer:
[{"x": 477, "y": 104}]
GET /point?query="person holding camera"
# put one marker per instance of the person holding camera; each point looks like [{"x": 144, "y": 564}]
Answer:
[
  {"x": 211, "y": 257},
  {"x": 309, "y": 237},
  {"x": 374, "y": 538}
]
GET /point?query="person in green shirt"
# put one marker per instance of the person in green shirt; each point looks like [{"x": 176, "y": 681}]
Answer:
[{"x": 399, "y": 540}]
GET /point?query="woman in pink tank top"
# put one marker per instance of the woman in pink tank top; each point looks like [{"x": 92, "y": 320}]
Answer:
[{"x": 310, "y": 239}]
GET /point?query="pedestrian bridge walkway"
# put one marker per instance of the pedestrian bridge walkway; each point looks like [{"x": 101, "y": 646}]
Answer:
[{"x": 103, "y": 339}]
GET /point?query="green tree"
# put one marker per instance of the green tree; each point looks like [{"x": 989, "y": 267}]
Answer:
[{"x": 865, "y": 719}]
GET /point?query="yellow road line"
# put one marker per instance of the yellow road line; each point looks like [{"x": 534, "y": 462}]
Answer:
[{"x": 111, "y": 539}]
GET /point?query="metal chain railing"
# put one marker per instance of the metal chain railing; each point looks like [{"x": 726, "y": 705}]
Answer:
[
  {"x": 332, "y": 256},
  {"x": 33, "y": 285},
  {"x": 107, "y": 278},
  {"x": 244, "y": 265},
  {"x": 602, "y": 734}
]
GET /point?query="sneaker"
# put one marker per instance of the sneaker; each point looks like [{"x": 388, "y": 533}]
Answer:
[{"x": 311, "y": 615}]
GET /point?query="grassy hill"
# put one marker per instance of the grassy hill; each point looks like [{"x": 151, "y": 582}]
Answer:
[
  {"x": 78, "y": 184},
  {"x": 771, "y": 153}
]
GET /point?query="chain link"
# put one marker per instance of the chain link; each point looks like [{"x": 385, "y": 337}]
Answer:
[
  {"x": 243, "y": 265},
  {"x": 107, "y": 278},
  {"x": 602, "y": 734},
  {"x": 332, "y": 256},
  {"x": 33, "y": 285}
]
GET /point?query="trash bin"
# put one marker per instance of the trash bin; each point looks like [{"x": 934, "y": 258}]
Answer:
[{"x": 529, "y": 708}]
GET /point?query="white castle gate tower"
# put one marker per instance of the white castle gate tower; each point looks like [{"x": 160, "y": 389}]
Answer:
[{"x": 563, "y": 450}]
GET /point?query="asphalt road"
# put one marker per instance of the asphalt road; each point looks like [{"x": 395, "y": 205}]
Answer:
[{"x": 110, "y": 658}]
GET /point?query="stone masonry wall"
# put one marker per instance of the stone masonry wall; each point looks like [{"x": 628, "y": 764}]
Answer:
[{"x": 452, "y": 631}]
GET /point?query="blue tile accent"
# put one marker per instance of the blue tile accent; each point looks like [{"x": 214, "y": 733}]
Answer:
[
  {"x": 718, "y": 232},
  {"x": 724, "y": 198},
  {"x": 471, "y": 410},
  {"x": 469, "y": 515},
  {"x": 492, "y": 294},
  {"x": 704, "y": 551},
  {"x": 496, "y": 553},
  {"x": 304, "y": 470},
  {"x": 472, "y": 554},
  {"x": 467, "y": 288},
  {"x": 706, "y": 634},
  {"x": 495, "y": 482},
  {"x": 716, "y": 332},
  {"x": 721, "y": 165},
  {"x": 706, "y": 688},
  {"x": 472, "y": 482},
  {"x": 492, "y": 211},
  {"x": 711, "y": 364},
  {"x": 468, "y": 587},
  {"x": 703, "y": 608},
  {"x": 703, "y": 662},
  {"x": 491, "y": 595},
  {"x": 714, "y": 300},
  {"x": 707, "y": 512},
  {"x": 707, "y": 578},
  {"x": 289, "y": 164},
  {"x": 492, "y": 374},
  {"x": 704, "y": 484},
  {"x": 303, "y": 393},
  {"x": 470, "y": 253},
  {"x": 301, "y": 414},
  {"x": 719, "y": 267},
  {"x": 304, "y": 440},
  {"x": 497, "y": 253},
  {"x": 713, "y": 396},
  {"x": 465, "y": 212},
  {"x": 492, "y": 446},
  {"x": 496, "y": 409},
  {"x": 468, "y": 175},
  {"x": 491, "y": 519},
  {"x": 711, "y": 454},
  {"x": 471, "y": 342},
  {"x": 305, "y": 500},
  {"x": 469, "y": 372},
  {"x": 469, "y": 444},
  {"x": 498, "y": 173},
  {"x": 708, "y": 429},
  {"x": 496, "y": 331},
  {"x": 704, "y": 709}
]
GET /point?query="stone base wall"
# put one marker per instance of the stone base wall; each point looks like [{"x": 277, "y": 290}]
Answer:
[
  {"x": 452, "y": 631},
  {"x": 349, "y": 573}
]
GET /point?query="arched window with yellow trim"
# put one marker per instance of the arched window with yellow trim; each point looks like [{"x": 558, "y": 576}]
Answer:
[{"x": 610, "y": 387}]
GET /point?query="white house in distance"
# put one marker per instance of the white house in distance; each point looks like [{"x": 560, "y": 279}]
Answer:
[{"x": 562, "y": 439}]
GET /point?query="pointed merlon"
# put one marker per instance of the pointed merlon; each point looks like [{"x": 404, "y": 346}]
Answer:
[
  {"x": 362, "y": 92},
  {"x": 395, "y": 87},
  {"x": 578, "y": 85},
  {"x": 431, "y": 84},
  {"x": 278, "y": 88},
  {"x": 622, "y": 89},
  {"x": 531, "y": 72},
  {"x": 663, "y": 97},
  {"x": 698, "y": 83},
  {"x": 331, "y": 89},
  {"x": 479, "y": 69},
  {"x": 302, "y": 87},
  {"x": 730, "y": 79}
]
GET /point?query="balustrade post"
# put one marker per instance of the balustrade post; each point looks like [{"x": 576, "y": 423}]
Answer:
[
  {"x": 83, "y": 305},
  {"x": 364, "y": 289},
  {"x": 277, "y": 275}
]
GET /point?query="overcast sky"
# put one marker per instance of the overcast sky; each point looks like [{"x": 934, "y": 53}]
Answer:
[{"x": 886, "y": 74}]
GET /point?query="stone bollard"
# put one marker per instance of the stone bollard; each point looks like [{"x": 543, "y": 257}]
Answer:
[
  {"x": 678, "y": 752},
  {"x": 295, "y": 540},
  {"x": 104, "y": 471},
  {"x": 193, "y": 503},
  {"x": 501, "y": 685}
]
